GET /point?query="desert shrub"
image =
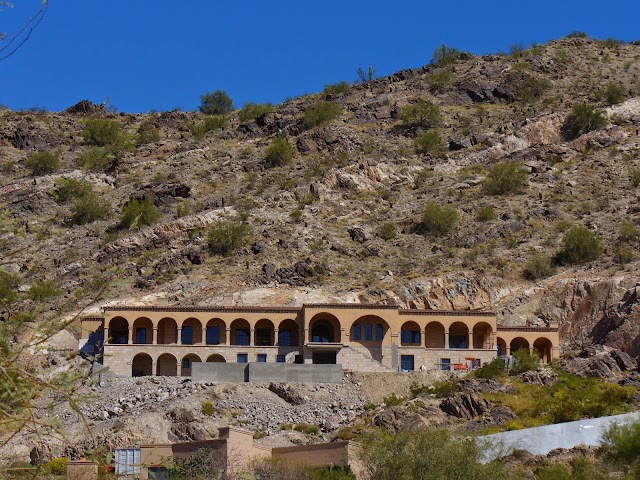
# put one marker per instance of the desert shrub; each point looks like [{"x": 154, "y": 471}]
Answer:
[
  {"x": 621, "y": 443},
  {"x": 226, "y": 236},
  {"x": 137, "y": 213},
  {"x": 42, "y": 290},
  {"x": 581, "y": 245},
  {"x": 538, "y": 266},
  {"x": 102, "y": 132},
  {"x": 444, "y": 56},
  {"x": 635, "y": 176},
  {"x": 209, "y": 124},
  {"x": 555, "y": 471},
  {"x": 393, "y": 400},
  {"x": 440, "y": 81},
  {"x": 321, "y": 113},
  {"x": 494, "y": 369},
  {"x": 444, "y": 389},
  {"x": 89, "y": 208},
  {"x": 70, "y": 188},
  {"x": 251, "y": 111},
  {"x": 387, "y": 231},
  {"x": 486, "y": 214},
  {"x": 42, "y": 163},
  {"x": 336, "y": 89},
  {"x": 306, "y": 428},
  {"x": 576, "y": 34},
  {"x": 529, "y": 88},
  {"x": 628, "y": 231},
  {"x": 583, "y": 118},
  {"x": 612, "y": 94},
  {"x": 55, "y": 466},
  {"x": 9, "y": 282},
  {"x": 205, "y": 463},
  {"x": 428, "y": 142},
  {"x": 216, "y": 103},
  {"x": 438, "y": 220},
  {"x": 147, "y": 133},
  {"x": 96, "y": 159},
  {"x": 423, "y": 113},
  {"x": 505, "y": 178},
  {"x": 524, "y": 361},
  {"x": 279, "y": 153}
]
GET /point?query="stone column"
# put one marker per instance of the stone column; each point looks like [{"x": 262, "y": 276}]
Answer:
[
  {"x": 306, "y": 336},
  {"x": 344, "y": 337},
  {"x": 227, "y": 338},
  {"x": 275, "y": 336},
  {"x": 179, "y": 342},
  {"x": 446, "y": 339},
  {"x": 470, "y": 339},
  {"x": 154, "y": 336},
  {"x": 154, "y": 367},
  {"x": 252, "y": 334},
  {"x": 423, "y": 338},
  {"x": 130, "y": 339},
  {"x": 203, "y": 339},
  {"x": 106, "y": 340}
]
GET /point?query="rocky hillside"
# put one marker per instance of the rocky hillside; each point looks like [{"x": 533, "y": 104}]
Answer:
[{"x": 339, "y": 213}]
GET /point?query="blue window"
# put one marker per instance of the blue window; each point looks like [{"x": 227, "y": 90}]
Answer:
[
  {"x": 243, "y": 358},
  {"x": 368, "y": 332},
  {"x": 445, "y": 364},
  {"x": 186, "y": 363},
  {"x": 321, "y": 334},
  {"x": 459, "y": 341},
  {"x": 407, "y": 363},
  {"x": 410, "y": 337},
  {"x": 213, "y": 335},
  {"x": 280, "y": 359},
  {"x": 242, "y": 336},
  {"x": 263, "y": 337},
  {"x": 141, "y": 335},
  {"x": 262, "y": 358},
  {"x": 357, "y": 332},
  {"x": 284, "y": 338},
  {"x": 379, "y": 332},
  {"x": 176, "y": 335},
  {"x": 187, "y": 335}
]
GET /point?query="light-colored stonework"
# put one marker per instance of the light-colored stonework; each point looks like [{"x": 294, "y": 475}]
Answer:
[{"x": 167, "y": 340}]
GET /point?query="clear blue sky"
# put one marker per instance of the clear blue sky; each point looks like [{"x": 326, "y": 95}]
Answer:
[{"x": 159, "y": 55}]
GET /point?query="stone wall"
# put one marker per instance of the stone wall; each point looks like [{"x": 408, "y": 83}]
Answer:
[{"x": 266, "y": 372}]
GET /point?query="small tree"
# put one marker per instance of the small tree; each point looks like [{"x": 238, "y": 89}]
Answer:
[
  {"x": 70, "y": 188},
  {"x": 225, "y": 237},
  {"x": 147, "y": 133},
  {"x": 505, "y": 178},
  {"x": 444, "y": 56},
  {"x": 97, "y": 159},
  {"x": 423, "y": 113},
  {"x": 279, "y": 153},
  {"x": 428, "y": 142},
  {"x": 612, "y": 94},
  {"x": 321, "y": 113},
  {"x": 251, "y": 111},
  {"x": 103, "y": 132},
  {"x": 209, "y": 124},
  {"x": 89, "y": 208},
  {"x": 438, "y": 220},
  {"x": 581, "y": 245},
  {"x": 137, "y": 213},
  {"x": 42, "y": 163},
  {"x": 524, "y": 361},
  {"x": 336, "y": 89},
  {"x": 216, "y": 103},
  {"x": 583, "y": 118},
  {"x": 538, "y": 266}
]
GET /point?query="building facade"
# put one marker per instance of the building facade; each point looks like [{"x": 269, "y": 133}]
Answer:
[{"x": 136, "y": 341}]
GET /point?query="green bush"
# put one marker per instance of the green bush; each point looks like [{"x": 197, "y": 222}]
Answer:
[
  {"x": 393, "y": 400},
  {"x": 208, "y": 409},
  {"x": 621, "y": 444},
  {"x": 537, "y": 267},
  {"x": 438, "y": 220},
  {"x": 423, "y": 113},
  {"x": 444, "y": 56},
  {"x": 209, "y": 124},
  {"x": 251, "y": 111},
  {"x": 279, "y": 153},
  {"x": 103, "y": 132},
  {"x": 440, "y": 81},
  {"x": 428, "y": 142},
  {"x": 225, "y": 237},
  {"x": 583, "y": 118},
  {"x": 321, "y": 113},
  {"x": 577, "y": 34},
  {"x": 216, "y": 103},
  {"x": 581, "y": 245},
  {"x": 42, "y": 290},
  {"x": 9, "y": 282},
  {"x": 556, "y": 471},
  {"x": 505, "y": 178},
  {"x": 628, "y": 232},
  {"x": 529, "y": 88},
  {"x": 147, "y": 133},
  {"x": 97, "y": 159},
  {"x": 486, "y": 214},
  {"x": 612, "y": 94},
  {"x": 444, "y": 389},
  {"x": 336, "y": 89},
  {"x": 306, "y": 428},
  {"x": 387, "y": 231},
  {"x": 55, "y": 466},
  {"x": 42, "y": 163},
  {"x": 524, "y": 361},
  {"x": 89, "y": 208},
  {"x": 635, "y": 176},
  {"x": 137, "y": 213},
  {"x": 70, "y": 188},
  {"x": 494, "y": 369}
]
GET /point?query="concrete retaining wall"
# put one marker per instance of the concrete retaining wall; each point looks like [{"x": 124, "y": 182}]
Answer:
[
  {"x": 541, "y": 440},
  {"x": 219, "y": 372},
  {"x": 265, "y": 372}
]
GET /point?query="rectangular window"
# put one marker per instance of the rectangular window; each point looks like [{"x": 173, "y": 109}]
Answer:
[
  {"x": 141, "y": 335},
  {"x": 379, "y": 332},
  {"x": 445, "y": 364},
  {"x": 186, "y": 363},
  {"x": 357, "y": 332},
  {"x": 187, "y": 335},
  {"x": 243, "y": 358},
  {"x": 416, "y": 336},
  {"x": 158, "y": 473},
  {"x": 213, "y": 335},
  {"x": 263, "y": 337},
  {"x": 284, "y": 338},
  {"x": 280, "y": 359},
  {"x": 368, "y": 332},
  {"x": 459, "y": 341},
  {"x": 242, "y": 336},
  {"x": 407, "y": 363},
  {"x": 262, "y": 358}
]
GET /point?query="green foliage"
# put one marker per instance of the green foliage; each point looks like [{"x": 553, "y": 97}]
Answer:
[
  {"x": 516, "y": 50},
  {"x": 216, "y": 103},
  {"x": 89, "y": 208},
  {"x": 9, "y": 283},
  {"x": 423, "y": 113},
  {"x": 537, "y": 267},
  {"x": 494, "y": 369},
  {"x": 583, "y": 118},
  {"x": 137, "y": 213},
  {"x": 505, "y": 178},
  {"x": 55, "y": 466},
  {"x": 393, "y": 400},
  {"x": 444, "y": 56},
  {"x": 555, "y": 471},
  {"x": 70, "y": 188},
  {"x": 321, "y": 113},
  {"x": 204, "y": 464},
  {"x": 226, "y": 236},
  {"x": 621, "y": 444},
  {"x": 147, "y": 133},
  {"x": 524, "y": 361},
  {"x": 336, "y": 89},
  {"x": 306, "y": 428},
  {"x": 438, "y": 220},
  {"x": 387, "y": 231},
  {"x": 577, "y": 34},
  {"x": 581, "y": 245},
  {"x": 444, "y": 389},
  {"x": 612, "y": 94},
  {"x": 428, "y": 142},
  {"x": 102, "y": 132},
  {"x": 486, "y": 214},
  {"x": 529, "y": 88},
  {"x": 42, "y": 290},
  {"x": 279, "y": 153},
  {"x": 209, "y": 124},
  {"x": 441, "y": 80},
  {"x": 251, "y": 111},
  {"x": 42, "y": 163},
  {"x": 628, "y": 231},
  {"x": 208, "y": 408},
  {"x": 635, "y": 177},
  {"x": 97, "y": 159},
  {"x": 368, "y": 76}
]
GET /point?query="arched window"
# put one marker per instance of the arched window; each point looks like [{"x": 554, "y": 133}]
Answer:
[
  {"x": 379, "y": 332},
  {"x": 368, "y": 332},
  {"x": 284, "y": 338},
  {"x": 357, "y": 332}
]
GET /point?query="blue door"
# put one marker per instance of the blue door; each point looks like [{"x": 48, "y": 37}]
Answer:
[
  {"x": 284, "y": 338},
  {"x": 407, "y": 363},
  {"x": 213, "y": 335},
  {"x": 187, "y": 335},
  {"x": 141, "y": 335},
  {"x": 242, "y": 336}
]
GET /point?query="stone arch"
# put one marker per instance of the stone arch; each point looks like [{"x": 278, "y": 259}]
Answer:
[
  {"x": 501, "y": 345},
  {"x": 434, "y": 335},
  {"x": 324, "y": 328},
  {"x": 143, "y": 331},
  {"x": 191, "y": 331},
  {"x": 167, "y": 331},
  {"x": 187, "y": 363},
  {"x": 264, "y": 333},
  {"x": 543, "y": 347},
  {"x": 374, "y": 331},
  {"x": 459, "y": 335},
  {"x": 410, "y": 334},
  {"x": 167, "y": 365},
  {"x": 240, "y": 332},
  {"x": 216, "y": 358},
  {"x": 482, "y": 336},
  {"x": 216, "y": 333},
  {"x": 142, "y": 365},
  {"x": 519, "y": 343},
  {"x": 288, "y": 333},
  {"x": 118, "y": 331}
]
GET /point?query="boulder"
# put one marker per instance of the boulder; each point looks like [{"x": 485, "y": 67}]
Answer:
[
  {"x": 358, "y": 234},
  {"x": 288, "y": 394},
  {"x": 464, "y": 405}
]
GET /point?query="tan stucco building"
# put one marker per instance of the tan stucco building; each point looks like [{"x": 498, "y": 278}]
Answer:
[{"x": 166, "y": 340}]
